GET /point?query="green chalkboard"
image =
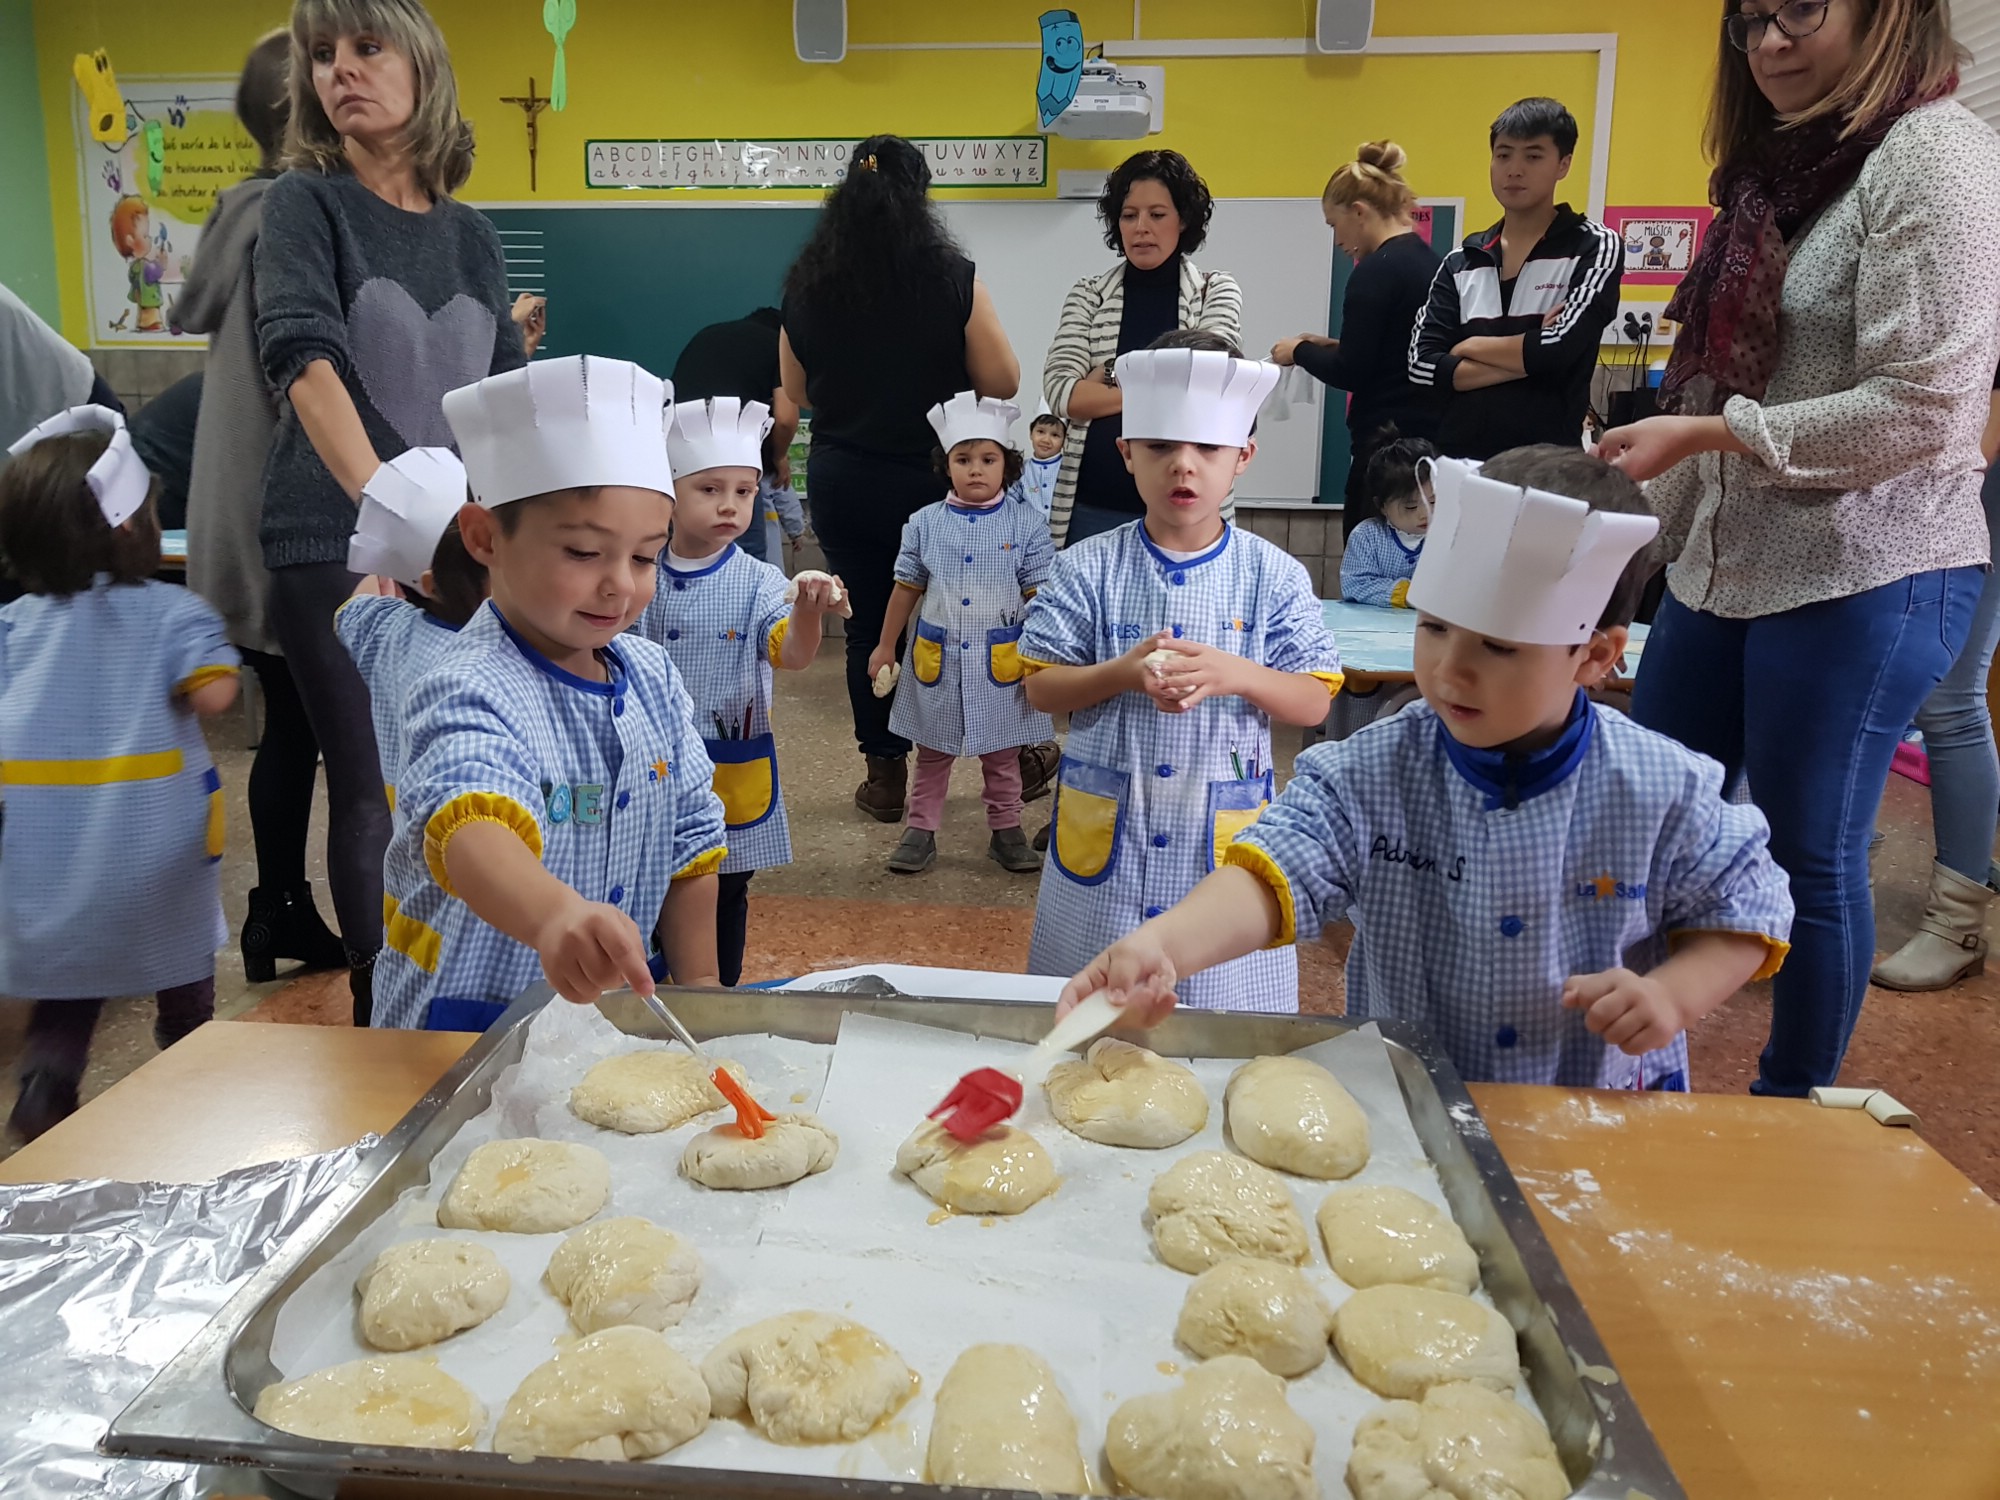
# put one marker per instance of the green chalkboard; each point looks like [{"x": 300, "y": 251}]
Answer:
[{"x": 636, "y": 283}]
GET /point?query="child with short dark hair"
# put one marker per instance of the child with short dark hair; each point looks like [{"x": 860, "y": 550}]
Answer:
[
  {"x": 1046, "y": 435},
  {"x": 113, "y": 810},
  {"x": 1554, "y": 892},
  {"x": 1382, "y": 552}
]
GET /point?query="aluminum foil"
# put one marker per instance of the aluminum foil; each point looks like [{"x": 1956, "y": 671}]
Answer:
[
  {"x": 873, "y": 985},
  {"x": 101, "y": 1284}
]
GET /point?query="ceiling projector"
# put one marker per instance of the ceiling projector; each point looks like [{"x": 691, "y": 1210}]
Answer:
[{"x": 1107, "y": 107}]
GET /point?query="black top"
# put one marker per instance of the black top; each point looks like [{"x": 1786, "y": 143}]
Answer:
[
  {"x": 738, "y": 358},
  {"x": 873, "y": 369},
  {"x": 163, "y": 437},
  {"x": 1152, "y": 307},
  {"x": 1385, "y": 296}
]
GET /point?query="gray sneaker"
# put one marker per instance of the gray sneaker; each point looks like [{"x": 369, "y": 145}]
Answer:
[
  {"x": 916, "y": 853},
  {"x": 1010, "y": 849}
]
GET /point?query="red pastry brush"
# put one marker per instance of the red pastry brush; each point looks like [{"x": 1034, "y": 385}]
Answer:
[{"x": 986, "y": 1096}]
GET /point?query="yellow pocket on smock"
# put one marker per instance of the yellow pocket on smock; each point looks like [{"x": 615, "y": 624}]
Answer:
[
  {"x": 1089, "y": 816},
  {"x": 1003, "y": 655},
  {"x": 1232, "y": 807},
  {"x": 927, "y": 653},
  {"x": 746, "y": 778},
  {"x": 218, "y": 833}
]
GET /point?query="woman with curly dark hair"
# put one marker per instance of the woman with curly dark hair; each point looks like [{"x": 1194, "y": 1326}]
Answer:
[
  {"x": 884, "y": 318},
  {"x": 1156, "y": 210}
]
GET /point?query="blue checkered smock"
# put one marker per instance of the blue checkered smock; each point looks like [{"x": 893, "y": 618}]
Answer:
[
  {"x": 1037, "y": 484},
  {"x": 605, "y": 781},
  {"x": 723, "y": 626},
  {"x": 393, "y": 643},
  {"x": 960, "y": 690},
  {"x": 111, "y": 840},
  {"x": 1469, "y": 914},
  {"x": 1145, "y": 799},
  {"x": 1378, "y": 557}
]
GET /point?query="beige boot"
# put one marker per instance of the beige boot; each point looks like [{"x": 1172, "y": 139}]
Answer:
[{"x": 1950, "y": 942}]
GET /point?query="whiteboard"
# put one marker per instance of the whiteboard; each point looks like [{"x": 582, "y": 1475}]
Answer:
[{"x": 1279, "y": 249}]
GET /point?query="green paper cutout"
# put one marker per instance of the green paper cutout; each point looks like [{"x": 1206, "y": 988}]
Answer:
[
  {"x": 156, "y": 156},
  {"x": 559, "y": 16}
]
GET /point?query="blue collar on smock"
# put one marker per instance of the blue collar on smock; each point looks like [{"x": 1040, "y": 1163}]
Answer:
[
  {"x": 613, "y": 663},
  {"x": 1413, "y": 553},
  {"x": 442, "y": 624},
  {"x": 1509, "y": 780},
  {"x": 974, "y": 512},
  {"x": 666, "y": 562},
  {"x": 1174, "y": 563}
]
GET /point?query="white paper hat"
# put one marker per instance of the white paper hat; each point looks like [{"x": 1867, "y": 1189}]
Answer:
[
  {"x": 1518, "y": 564},
  {"x": 119, "y": 479},
  {"x": 1193, "y": 395},
  {"x": 405, "y": 508},
  {"x": 559, "y": 424},
  {"x": 719, "y": 433},
  {"x": 967, "y": 416}
]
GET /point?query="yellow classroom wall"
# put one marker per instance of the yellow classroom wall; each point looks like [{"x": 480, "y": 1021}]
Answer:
[{"x": 1254, "y": 126}]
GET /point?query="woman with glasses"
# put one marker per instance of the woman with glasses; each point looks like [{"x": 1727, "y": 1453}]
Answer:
[{"x": 1820, "y": 471}]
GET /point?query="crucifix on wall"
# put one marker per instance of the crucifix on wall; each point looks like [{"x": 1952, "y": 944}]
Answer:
[{"x": 532, "y": 104}]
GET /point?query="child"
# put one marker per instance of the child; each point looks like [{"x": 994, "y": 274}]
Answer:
[
  {"x": 783, "y": 519},
  {"x": 1038, "y": 480},
  {"x": 971, "y": 561},
  {"x": 722, "y": 617},
  {"x": 110, "y": 845},
  {"x": 556, "y": 813},
  {"x": 1382, "y": 552},
  {"x": 1172, "y": 642},
  {"x": 1517, "y": 862}
]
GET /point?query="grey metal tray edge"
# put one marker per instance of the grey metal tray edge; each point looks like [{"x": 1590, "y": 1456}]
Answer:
[{"x": 191, "y": 1412}]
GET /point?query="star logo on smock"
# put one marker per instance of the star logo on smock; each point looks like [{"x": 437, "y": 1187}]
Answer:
[
  {"x": 1606, "y": 887},
  {"x": 660, "y": 770}
]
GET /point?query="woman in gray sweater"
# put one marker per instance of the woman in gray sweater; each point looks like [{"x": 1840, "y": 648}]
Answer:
[{"x": 376, "y": 294}]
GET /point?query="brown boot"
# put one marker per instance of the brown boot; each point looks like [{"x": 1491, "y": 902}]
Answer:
[
  {"x": 1038, "y": 769},
  {"x": 882, "y": 795}
]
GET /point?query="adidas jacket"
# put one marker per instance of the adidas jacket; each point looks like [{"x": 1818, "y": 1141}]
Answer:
[{"x": 1574, "y": 272}]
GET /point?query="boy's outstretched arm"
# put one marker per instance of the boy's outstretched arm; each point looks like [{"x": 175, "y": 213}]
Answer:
[
  {"x": 687, "y": 931},
  {"x": 1640, "y": 1013},
  {"x": 1230, "y": 913}
]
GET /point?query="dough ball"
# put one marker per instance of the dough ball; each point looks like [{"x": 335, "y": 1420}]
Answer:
[
  {"x": 394, "y": 1402},
  {"x": 1293, "y": 1115},
  {"x": 1003, "y": 1172},
  {"x": 1402, "y": 1340},
  {"x": 807, "y": 1377},
  {"x": 1209, "y": 1207},
  {"x": 625, "y": 1271},
  {"x": 418, "y": 1293},
  {"x": 526, "y": 1187},
  {"x": 622, "y": 1393},
  {"x": 1380, "y": 1234},
  {"x": 1156, "y": 661},
  {"x": 1122, "y": 1095},
  {"x": 1463, "y": 1443},
  {"x": 792, "y": 1146},
  {"x": 885, "y": 680},
  {"x": 1002, "y": 1424},
  {"x": 1270, "y": 1312},
  {"x": 1227, "y": 1433},
  {"x": 643, "y": 1092}
]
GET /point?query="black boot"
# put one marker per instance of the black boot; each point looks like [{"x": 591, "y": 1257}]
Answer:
[
  {"x": 361, "y": 981},
  {"x": 883, "y": 794},
  {"x": 46, "y": 1100},
  {"x": 284, "y": 923}
]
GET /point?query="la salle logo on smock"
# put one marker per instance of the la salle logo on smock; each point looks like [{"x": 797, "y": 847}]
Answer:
[{"x": 1606, "y": 888}]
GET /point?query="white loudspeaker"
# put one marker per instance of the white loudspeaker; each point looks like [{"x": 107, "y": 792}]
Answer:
[
  {"x": 1343, "y": 25},
  {"x": 819, "y": 30}
]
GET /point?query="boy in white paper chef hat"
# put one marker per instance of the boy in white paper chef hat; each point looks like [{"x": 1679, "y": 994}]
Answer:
[
  {"x": 555, "y": 816},
  {"x": 407, "y": 531},
  {"x": 1555, "y": 892},
  {"x": 1174, "y": 643},
  {"x": 726, "y": 619}
]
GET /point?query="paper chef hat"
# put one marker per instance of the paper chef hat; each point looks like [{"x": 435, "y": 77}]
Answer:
[
  {"x": 967, "y": 416},
  {"x": 720, "y": 433},
  {"x": 405, "y": 508},
  {"x": 1193, "y": 395},
  {"x": 1518, "y": 564},
  {"x": 119, "y": 479},
  {"x": 560, "y": 424}
]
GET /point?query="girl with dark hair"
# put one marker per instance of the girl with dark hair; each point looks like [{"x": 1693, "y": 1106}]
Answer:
[
  {"x": 883, "y": 319},
  {"x": 1155, "y": 210},
  {"x": 1820, "y": 472}
]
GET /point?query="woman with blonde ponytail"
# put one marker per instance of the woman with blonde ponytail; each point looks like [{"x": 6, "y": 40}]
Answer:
[{"x": 1371, "y": 211}]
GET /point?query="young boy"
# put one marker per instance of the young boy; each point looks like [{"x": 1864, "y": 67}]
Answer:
[
  {"x": 1381, "y": 556},
  {"x": 1516, "y": 313},
  {"x": 1172, "y": 643},
  {"x": 1518, "y": 863},
  {"x": 1038, "y": 477},
  {"x": 724, "y": 621},
  {"x": 556, "y": 811}
]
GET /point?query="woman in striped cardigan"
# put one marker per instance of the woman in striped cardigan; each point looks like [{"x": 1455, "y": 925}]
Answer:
[{"x": 1156, "y": 210}]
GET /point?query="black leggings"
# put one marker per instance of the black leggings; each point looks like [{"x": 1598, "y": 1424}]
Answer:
[
  {"x": 303, "y": 599},
  {"x": 732, "y": 925},
  {"x": 281, "y": 777},
  {"x": 59, "y": 1031}
]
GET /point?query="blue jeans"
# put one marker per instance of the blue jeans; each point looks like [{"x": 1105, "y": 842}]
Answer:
[
  {"x": 1958, "y": 734},
  {"x": 1811, "y": 704}
]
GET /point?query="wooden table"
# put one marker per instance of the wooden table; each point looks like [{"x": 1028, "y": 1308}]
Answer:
[{"x": 1806, "y": 1303}]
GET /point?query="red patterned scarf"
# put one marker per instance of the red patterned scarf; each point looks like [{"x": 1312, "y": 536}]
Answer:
[{"x": 1727, "y": 304}]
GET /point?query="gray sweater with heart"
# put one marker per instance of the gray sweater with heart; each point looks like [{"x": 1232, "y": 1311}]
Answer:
[{"x": 404, "y": 306}]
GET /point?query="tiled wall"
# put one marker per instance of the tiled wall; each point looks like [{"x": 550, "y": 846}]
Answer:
[
  {"x": 1311, "y": 533},
  {"x": 138, "y": 375}
]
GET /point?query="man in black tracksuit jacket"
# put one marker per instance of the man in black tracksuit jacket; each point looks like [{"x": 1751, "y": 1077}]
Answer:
[{"x": 1516, "y": 313}]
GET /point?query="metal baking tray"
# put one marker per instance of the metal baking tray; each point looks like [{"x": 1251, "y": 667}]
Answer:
[{"x": 198, "y": 1409}]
